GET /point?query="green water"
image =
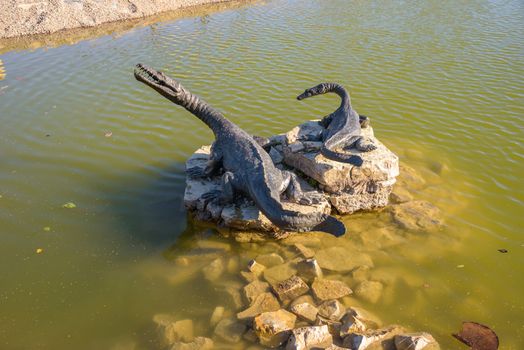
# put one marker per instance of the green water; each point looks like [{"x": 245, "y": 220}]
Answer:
[{"x": 442, "y": 81}]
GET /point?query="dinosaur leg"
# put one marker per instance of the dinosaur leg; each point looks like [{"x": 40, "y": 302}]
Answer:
[
  {"x": 212, "y": 168},
  {"x": 326, "y": 120},
  {"x": 226, "y": 193},
  {"x": 295, "y": 192},
  {"x": 364, "y": 144}
]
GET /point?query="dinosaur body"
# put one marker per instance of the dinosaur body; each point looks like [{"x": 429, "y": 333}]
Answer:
[
  {"x": 247, "y": 167},
  {"x": 343, "y": 126}
]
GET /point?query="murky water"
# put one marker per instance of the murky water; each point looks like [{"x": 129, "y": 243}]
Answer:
[{"x": 442, "y": 82}]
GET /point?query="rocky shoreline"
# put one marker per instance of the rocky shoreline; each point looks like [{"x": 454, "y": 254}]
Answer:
[{"x": 30, "y": 17}]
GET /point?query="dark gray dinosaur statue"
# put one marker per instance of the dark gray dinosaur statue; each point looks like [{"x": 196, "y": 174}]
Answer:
[
  {"x": 343, "y": 126},
  {"x": 247, "y": 167}
]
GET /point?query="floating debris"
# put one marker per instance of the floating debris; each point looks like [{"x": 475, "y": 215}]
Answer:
[
  {"x": 108, "y": 134},
  {"x": 503, "y": 250},
  {"x": 478, "y": 336},
  {"x": 47, "y": 229},
  {"x": 69, "y": 205},
  {"x": 39, "y": 250}
]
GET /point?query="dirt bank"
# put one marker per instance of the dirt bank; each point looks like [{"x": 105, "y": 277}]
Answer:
[{"x": 29, "y": 17}]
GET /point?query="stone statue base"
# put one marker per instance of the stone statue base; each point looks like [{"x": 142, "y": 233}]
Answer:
[{"x": 344, "y": 188}]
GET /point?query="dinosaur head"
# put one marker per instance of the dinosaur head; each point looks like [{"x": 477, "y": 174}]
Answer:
[
  {"x": 157, "y": 80},
  {"x": 316, "y": 90}
]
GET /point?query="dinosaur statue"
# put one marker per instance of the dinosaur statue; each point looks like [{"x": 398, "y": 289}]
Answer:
[
  {"x": 342, "y": 126},
  {"x": 247, "y": 167}
]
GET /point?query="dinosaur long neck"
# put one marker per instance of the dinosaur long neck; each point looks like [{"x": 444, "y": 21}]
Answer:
[
  {"x": 340, "y": 91},
  {"x": 201, "y": 109}
]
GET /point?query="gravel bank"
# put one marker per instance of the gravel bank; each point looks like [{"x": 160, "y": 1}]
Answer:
[{"x": 29, "y": 17}]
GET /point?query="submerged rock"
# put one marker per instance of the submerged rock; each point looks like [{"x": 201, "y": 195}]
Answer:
[
  {"x": 332, "y": 310},
  {"x": 341, "y": 259},
  {"x": 273, "y": 328},
  {"x": 264, "y": 302},
  {"x": 370, "y": 291},
  {"x": 306, "y": 338},
  {"x": 254, "y": 289},
  {"x": 200, "y": 343},
  {"x": 417, "y": 216},
  {"x": 309, "y": 269},
  {"x": 173, "y": 330},
  {"x": 230, "y": 330},
  {"x": 330, "y": 289},
  {"x": 374, "y": 339}
]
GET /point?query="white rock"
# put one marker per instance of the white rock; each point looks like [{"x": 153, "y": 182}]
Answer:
[
  {"x": 314, "y": 337},
  {"x": 416, "y": 341}
]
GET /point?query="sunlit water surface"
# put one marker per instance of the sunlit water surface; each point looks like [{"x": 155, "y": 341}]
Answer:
[{"x": 442, "y": 81}]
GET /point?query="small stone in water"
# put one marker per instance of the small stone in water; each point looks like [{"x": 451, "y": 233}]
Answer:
[
  {"x": 332, "y": 309},
  {"x": 255, "y": 267},
  {"x": 39, "y": 250},
  {"x": 270, "y": 260},
  {"x": 214, "y": 270},
  {"x": 47, "y": 229},
  {"x": 306, "y": 338},
  {"x": 108, "y": 134},
  {"x": 503, "y": 250},
  {"x": 291, "y": 288},
  {"x": 304, "y": 251},
  {"x": 305, "y": 311},
  {"x": 309, "y": 269},
  {"x": 200, "y": 343},
  {"x": 265, "y": 302},
  {"x": 217, "y": 315},
  {"x": 416, "y": 341},
  {"x": 254, "y": 289},
  {"x": 330, "y": 289},
  {"x": 370, "y": 291},
  {"x": 230, "y": 330},
  {"x": 69, "y": 205},
  {"x": 273, "y": 328}
]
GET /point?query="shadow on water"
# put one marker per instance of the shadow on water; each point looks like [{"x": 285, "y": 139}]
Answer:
[{"x": 150, "y": 209}]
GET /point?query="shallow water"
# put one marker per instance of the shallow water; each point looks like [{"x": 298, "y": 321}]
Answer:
[{"x": 442, "y": 82}]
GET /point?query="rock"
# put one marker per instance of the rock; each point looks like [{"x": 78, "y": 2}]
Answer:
[
  {"x": 305, "y": 311},
  {"x": 410, "y": 178},
  {"x": 254, "y": 289},
  {"x": 306, "y": 338},
  {"x": 270, "y": 260},
  {"x": 174, "y": 331},
  {"x": 273, "y": 328},
  {"x": 306, "y": 298},
  {"x": 333, "y": 327},
  {"x": 233, "y": 265},
  {"x": 372, "y": 196},
  {"x": 308, "y": 131},
  {"x": 248, "y": 276},
  {"x": 335, "y": 347},
  {"x": 213, "y": 246},
  {"x": 250, "y": 336},
  {"x": 357, "y": 320},
  {"x": 290, "y": 289},
  {"x": 279, "y": 273},
  {"x": 370, "y": 291},
  {"x": 230, "y": 330},
  {"x": 416, "y": 341},
  {"x": 309, "y": 269},
  {"x": 255, "y": 267},
  {"x": 276, "y": 156},
  {"x": 234, "y": 296},
  {"x": 380, "y": 166},
  {"x": 341, "y": 259},
  {"x": 332, "y": 310},
  {"x": 200, "y": 343},
  {"x": 400, "y": 195},
  {"x": 419, "y": 216},
  {"x": 265, "y": 302},
  {"x": 303, "y": 250},
  {"x": 360, "y": 274},
  {"x": 217, "y": 315},
  {"x": 213, "y": 271},
  {"x": 329, "y": 289},
  {"x": 374, "y": 339}
]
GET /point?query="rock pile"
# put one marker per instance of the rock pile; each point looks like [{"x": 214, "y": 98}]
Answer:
[
  {"x": 295, "y": 296},
  {"x": 343, "y": 188}
]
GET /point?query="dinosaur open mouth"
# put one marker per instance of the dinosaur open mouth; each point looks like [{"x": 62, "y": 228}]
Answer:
[{"x": 147, "y": 75}]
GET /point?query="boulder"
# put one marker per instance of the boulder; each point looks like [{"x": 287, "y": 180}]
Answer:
[
  {"x": 270, "y": 260},
  {"x": 214, "y": 270},
  {"x": 290, "y": 289},
  {"x": 357, "y": 320},
  {"x": 329, "y": 289},
  {"x": 305, "y": 311},
  {"x": 416, "y": 341},
  {"x": 273, "y": 328},
  {"x": 306, "y": 338},
  {"x": 265, "y": 302}
]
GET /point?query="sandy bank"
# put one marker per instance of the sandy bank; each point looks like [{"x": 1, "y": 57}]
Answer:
[{"x": 29, "y": 17}]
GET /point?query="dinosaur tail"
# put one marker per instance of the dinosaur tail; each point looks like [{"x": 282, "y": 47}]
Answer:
[
  {"x": 293, "y": 220},
  {"x": 341, "y": 157},
  {"x": 176, "y": 93}
]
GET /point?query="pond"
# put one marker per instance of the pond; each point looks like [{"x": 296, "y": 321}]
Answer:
[{"x": 441, "y": 80}]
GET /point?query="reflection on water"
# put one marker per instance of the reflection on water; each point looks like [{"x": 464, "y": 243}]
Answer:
[{"x": 441, "y": 81}]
